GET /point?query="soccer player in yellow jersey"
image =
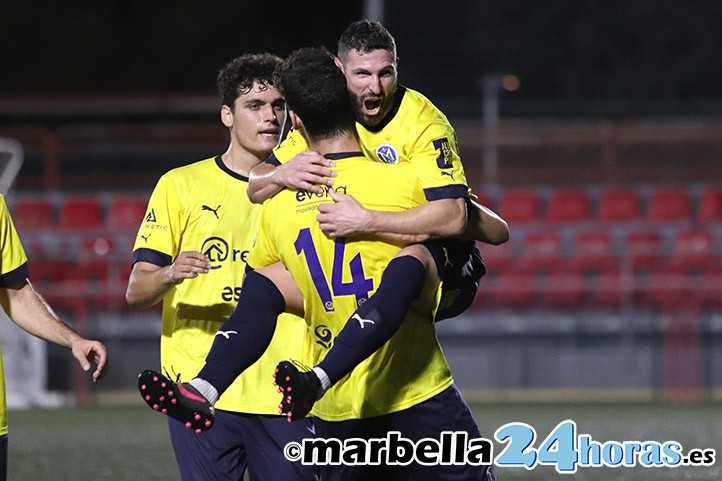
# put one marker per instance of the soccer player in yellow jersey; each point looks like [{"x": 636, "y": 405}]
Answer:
[
  {"x": 191, "y": 252},
  {"x": 396, "y": 125},
  {"x": 26, "y": 307},
  {"x": 401, "y": 381}
]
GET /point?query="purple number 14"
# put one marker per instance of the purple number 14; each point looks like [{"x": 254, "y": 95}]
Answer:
[{"x": 359, "y": 286}]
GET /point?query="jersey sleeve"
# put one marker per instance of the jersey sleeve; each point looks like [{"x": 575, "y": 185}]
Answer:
[
  {"x": 435, "y": 158},
  {"x": 293, "y": 144},
  {"x": 158, "y": 238},
  {"x": 265, "y": 250},
  {"x": 14, "y": 267}
]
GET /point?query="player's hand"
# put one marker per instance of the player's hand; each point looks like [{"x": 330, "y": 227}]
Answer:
[
  {"x": 88, "y": 352},
  {"x": 307, "y": 170},
  {"x": 346, "y": 217},
  {"x": 188, "y": 265}
]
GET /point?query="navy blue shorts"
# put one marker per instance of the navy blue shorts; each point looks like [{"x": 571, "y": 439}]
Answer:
[
  {"x": 447, "y": 411},
  {"x": 460, "y": 267},
  {"x": 239, "y": 441}
]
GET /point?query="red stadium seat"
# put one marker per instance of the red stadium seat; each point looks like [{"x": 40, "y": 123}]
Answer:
[
  {"x": 669, "y": 204},
  {"x": 519, "y": 205},
  {"x": 563, "y": 290},
  {"x": 666, "y": 289},
  {"x": 709, "y": 289},
  {"x": 126, "y": 212},
  {"x": 513, "y": 289},
  {"x": 611, "y": 289},
  {"x": 499, "y": 258},
  {"x": 47, "y": 273},
  {"x": 80, "y": 213},
  {"x": 710, "y": 205},
  {"x": 619, "y": 205},
  {"x": 693, "y": 250},
  {"x": 642, "y": 250},
  {"x": 33, "y": 214},
  {"x": 592, "y": 252},
  {"x": 568, "y": 206},
  {"x": 541, "y": 252}
]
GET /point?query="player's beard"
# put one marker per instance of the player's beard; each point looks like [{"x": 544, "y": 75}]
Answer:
[{"x": 363, "y": 117}]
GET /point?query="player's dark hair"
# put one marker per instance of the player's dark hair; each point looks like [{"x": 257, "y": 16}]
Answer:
[
  {"x": 365, "y": 36},
  {"x": 239, "y": 75},
  {"x": 315, "y": 89}
]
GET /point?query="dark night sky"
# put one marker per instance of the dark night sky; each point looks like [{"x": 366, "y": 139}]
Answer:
[
  {"x": 633, "y": 55},
  {"x": 126, "y": 46}
]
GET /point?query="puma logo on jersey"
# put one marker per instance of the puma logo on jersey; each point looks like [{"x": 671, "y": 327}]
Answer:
[
  {"x": 226, "y": 334},
  {"x": 362, "y": 321},
  {"x": 215, "y": 211},
  {"x": 450, "y": 174},
  {"x": 144, "y": 237}
]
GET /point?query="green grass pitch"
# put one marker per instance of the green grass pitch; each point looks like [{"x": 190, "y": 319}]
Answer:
[{"x": 131, "y": 443}]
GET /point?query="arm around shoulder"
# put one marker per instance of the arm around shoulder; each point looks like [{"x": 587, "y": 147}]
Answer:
[
  {"x": 261, "y": 185},
  {"x": 307, "y": 170}
]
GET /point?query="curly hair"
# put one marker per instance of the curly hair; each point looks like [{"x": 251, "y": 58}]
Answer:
[
  {"x": 240, "y": 74},
  {"x": 315, "y": 89},
  {"x": 365, "y": 36}
]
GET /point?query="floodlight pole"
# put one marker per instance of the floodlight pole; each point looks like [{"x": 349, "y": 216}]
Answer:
[{"x": 374, "y": 10}]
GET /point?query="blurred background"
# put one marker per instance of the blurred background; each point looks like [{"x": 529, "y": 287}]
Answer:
[{"x": 594, "y": 128}]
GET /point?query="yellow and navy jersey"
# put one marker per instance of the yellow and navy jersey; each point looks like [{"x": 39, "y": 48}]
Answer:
[
  {"x": 336, "y": 276},
  {"x": 13, "y": 270},
  {"x": 414, "y": 131},
  {"x": 204, "y": 207}
]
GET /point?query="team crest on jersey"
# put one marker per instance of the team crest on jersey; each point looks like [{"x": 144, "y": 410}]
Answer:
[{"x": 387, "y": 154}]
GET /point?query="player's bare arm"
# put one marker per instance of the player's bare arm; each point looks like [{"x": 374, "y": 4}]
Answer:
[
  {"x": 307, "y": 170},
  {"x": 346, "y": 217},
  {"x": 148, "y": 282},
  {"x": 485, "y": 225},
  {"x": 29, "y": 310}
]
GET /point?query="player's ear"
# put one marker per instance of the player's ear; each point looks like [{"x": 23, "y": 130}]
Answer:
[
  {"x": 227, "y": 116},
  {"x": 338, "y": 63},
  {"x": 295, "y": 120},
  {"x": 297, "y": 123}
]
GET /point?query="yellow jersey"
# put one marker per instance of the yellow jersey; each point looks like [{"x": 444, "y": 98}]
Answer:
[
  {"x": 204, "y": 207},
  {"x": 414, "y": 132},
  {"x": 13, "y": 270},
  {"x": 336, "y": 276}
]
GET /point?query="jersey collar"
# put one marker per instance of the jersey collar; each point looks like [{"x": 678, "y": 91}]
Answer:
[
  {"x": 342, "y": 155},
  {"x": 228, "y": 171}
]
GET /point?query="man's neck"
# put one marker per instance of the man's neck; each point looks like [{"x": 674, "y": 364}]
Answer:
[
  {"x": 346, "y": 142},
  {"x": 239, "y": 160}
]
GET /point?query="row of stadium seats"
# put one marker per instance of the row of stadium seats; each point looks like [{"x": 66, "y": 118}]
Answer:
[
  {"x": 608, "y": 204},
  {"x": 582, "y": 250},
  {"x": 613, "y": 289},
  {"x": 73, "y": 212},
  {"x": 80, "y": 248},
  {"x": 556, "y": 205}
]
